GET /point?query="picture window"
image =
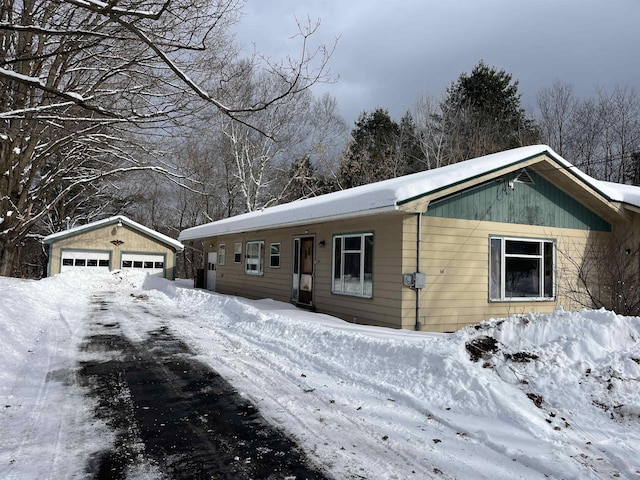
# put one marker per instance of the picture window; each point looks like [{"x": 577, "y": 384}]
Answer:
[
  {"x": 521, "y": 269},
  {"x": 353, "y": 265}
]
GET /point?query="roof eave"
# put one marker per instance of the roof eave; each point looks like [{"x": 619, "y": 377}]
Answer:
[
  {"x": 186, "y": 236},
  {"x": 468, "y": 181}
]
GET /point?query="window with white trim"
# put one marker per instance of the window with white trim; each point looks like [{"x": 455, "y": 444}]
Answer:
[
  {"x": 353, "y": 265},
  {"x": 222, "y": 249},
  {"x": 237, "y": 253},
  {"x": 274, "y": 255},
  {"x": 253, "y": 258},
  {"x": 521, "y": 269}
]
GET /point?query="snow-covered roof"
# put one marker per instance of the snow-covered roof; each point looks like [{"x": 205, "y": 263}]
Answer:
[
  {"x": 114, "y": 220},
  {"x": 629, "y": 194},
  {"x": 389, "y": 195}
]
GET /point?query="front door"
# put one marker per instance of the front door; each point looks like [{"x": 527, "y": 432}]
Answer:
[
  {"x": 212, "y": 259},
  {"x": 303, "y": 270}
]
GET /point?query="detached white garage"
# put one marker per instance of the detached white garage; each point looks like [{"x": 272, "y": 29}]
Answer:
[{"x": 110, "y": 244}]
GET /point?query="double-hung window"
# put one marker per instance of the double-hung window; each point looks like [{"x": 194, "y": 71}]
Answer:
[
  {"x": 521, "y": 269},
  {"x": 353, "y": 265},
  {"x": 254, "y": 258},
  {"x": 274, "y": 255},
  {"x": 237, "y": 253},
  {"x": 222, "y": 254}
]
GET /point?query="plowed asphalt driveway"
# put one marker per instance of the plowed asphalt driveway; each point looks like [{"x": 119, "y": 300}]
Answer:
[{"x": 172, "y": 416}]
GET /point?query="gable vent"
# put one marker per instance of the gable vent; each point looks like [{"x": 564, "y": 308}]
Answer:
[{"x": 523, "y": 177}]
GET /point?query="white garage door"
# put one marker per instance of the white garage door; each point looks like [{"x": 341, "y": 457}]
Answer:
[
  {"x": 84, "y": 258},
  {"x": 153, "y": 264}
]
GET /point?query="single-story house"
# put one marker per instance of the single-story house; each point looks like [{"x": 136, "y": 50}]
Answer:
[
  {"x": 436, "y": 250},
  {"x": 113, "y": 243}
]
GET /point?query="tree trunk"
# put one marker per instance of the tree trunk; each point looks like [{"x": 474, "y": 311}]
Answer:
[{"x": 7, "y": 256}]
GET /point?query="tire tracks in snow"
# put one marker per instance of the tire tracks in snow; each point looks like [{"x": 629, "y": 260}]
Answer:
[
  {"x": 186, "y": 421},
  {"x": 49, "y": 337}
]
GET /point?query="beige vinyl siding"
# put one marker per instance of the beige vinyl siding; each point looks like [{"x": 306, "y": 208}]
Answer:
[
  {"x": 274, "y": 283},
  {"x": 385, "y": 306},
  {"x": 100, "y": 239},
  {"x": 455, "y": 258}
]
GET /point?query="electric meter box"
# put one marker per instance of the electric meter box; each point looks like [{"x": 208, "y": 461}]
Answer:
[{"x": 414, "y": 280}]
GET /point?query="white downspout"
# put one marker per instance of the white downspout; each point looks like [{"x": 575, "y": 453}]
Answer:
[{"x": 418, "y": 255}]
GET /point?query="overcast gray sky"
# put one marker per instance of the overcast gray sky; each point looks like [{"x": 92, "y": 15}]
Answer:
[{"x": 390, "y": 51}]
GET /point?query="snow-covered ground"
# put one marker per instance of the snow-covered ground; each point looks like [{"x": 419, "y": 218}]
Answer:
[{"x": 553, "y": 396}]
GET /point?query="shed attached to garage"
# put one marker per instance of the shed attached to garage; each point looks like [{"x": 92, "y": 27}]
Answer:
[{"x": 113, "y": 243}]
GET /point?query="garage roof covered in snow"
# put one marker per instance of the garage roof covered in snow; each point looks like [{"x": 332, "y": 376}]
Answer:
[
  {"x": 175, "y": 244},
  {"x": 392, "y": 195}
]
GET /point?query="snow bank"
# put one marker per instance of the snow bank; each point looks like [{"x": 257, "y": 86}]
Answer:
[
  {"x": 554, "y": 388},
  {"x": 46, "y": 420},
  {"x": 531, "y": 396}
]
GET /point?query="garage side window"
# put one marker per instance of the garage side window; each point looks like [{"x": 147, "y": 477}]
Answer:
[
  {"x": 521, "y": 269},
  {"x": 254, "y": 258},
  {"x": 237, "y": 253},
  {"x": 353, "y": 265}
]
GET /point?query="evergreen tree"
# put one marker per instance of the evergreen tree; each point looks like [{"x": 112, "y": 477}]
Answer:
[
  {"x": 482, "y": 114},
  {"x": 380, "y": 148},
  {"x": 410, "y": 152}
]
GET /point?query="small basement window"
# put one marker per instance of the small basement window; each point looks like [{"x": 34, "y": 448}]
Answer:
[{"x": 521, "y": 269}]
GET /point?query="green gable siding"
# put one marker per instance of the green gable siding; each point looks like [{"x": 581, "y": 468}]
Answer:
[{"x": 540, "y": 203}]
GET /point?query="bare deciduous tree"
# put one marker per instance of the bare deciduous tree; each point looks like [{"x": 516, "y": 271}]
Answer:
[
  {"x": 600, "y": 135},
  {"x": 80, "y": 80},
  {"x": 604, "y": 274},
  {"x": 431, "y": 140},
  {"x": 557, "y": 109}
]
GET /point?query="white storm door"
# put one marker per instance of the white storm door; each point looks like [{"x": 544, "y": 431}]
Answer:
[{"x": 212, "y": 259}]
